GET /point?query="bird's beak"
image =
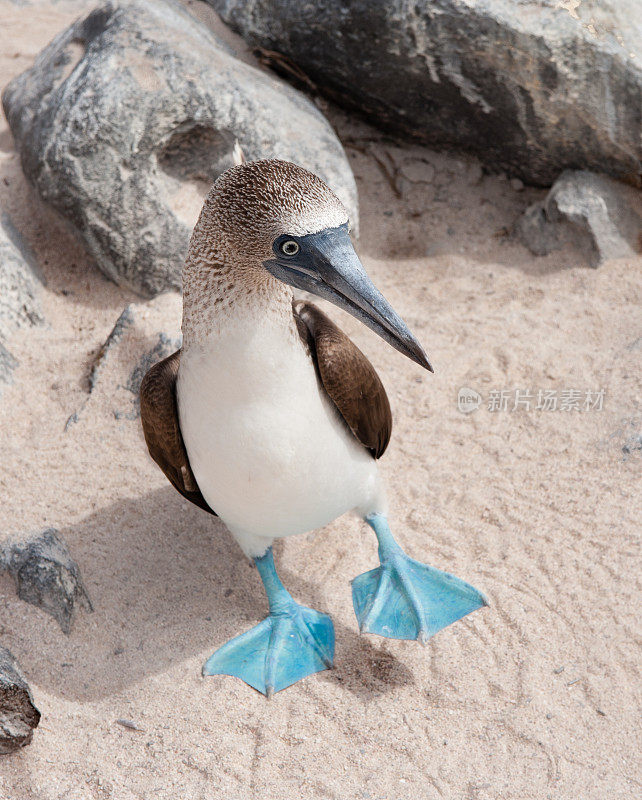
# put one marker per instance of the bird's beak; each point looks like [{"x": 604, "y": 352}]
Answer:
[{"x": 327, "y": 265}]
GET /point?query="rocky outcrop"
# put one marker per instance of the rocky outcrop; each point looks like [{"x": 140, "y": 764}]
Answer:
[
  {"x": 590, "y": 212},
  {"x": 532, "y": 88},
  {"x": 143, "y": 334},
  {"x": 46, "y": 575},
  {"x": 18, "y": 714},
  {"x": 126, "y": 119},
  {"x": 8, "y": 362},
  {"x": 20, "y": 284},
  {"x": 20, "y": 281}
]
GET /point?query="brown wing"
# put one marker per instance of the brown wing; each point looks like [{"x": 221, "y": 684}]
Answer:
[
  {"x": 159, "y": 415},
  {"x": 348, "y": 377}
]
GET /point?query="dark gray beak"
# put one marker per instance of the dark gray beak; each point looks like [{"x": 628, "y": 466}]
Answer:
[{"x": 326, "y": 264}]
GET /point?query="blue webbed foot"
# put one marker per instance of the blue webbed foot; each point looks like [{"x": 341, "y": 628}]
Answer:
[
  {"x": 292, "y": 642},
  {"x": 405, "y": 599},
  {"x": 279, "y": 651}
]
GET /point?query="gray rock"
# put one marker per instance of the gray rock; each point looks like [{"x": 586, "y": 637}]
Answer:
[
  {"x": 625, "y": 440},
  {"x": 121, "y": 326},
  {"x": 8, "y": 363},
  {"x": 165, "y": 346},
  {"x": 590, "y": 211},
  {"x": 46, "y": 575},
  {"x": 20, "y": 283},
  {"x": 531, "y": 87},
  {"x": 128, "y": 116},
  {"x": 133, "y": 317},
  {"x": 632, "y": 445},
  {"x": 138, "y": 340},
  {"x": 18, "y": 714}
]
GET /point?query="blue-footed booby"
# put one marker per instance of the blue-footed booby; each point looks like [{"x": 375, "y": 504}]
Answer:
[{"x": 271, "y": 418}]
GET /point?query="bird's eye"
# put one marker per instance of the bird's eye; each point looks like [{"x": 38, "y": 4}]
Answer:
[{"x": 290, "y": 248}]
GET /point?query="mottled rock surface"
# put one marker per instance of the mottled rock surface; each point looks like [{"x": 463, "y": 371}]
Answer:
[
  {"x": 20, "y": 283},
  {"x": 165, "y": 346},
  {"x": 143, "y": 334},
  {"x": 532, "y": 88},
  {"x": 8, "y": 362},
  {"x": 18, "y": 714},
  {"x": 128, "y": 116},
  {"x": 46, "y": 575},
  {"x": 592, "y": 212}
]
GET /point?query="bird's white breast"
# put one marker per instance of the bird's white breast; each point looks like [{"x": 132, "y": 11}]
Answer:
[{"x": 268, "y": 449}]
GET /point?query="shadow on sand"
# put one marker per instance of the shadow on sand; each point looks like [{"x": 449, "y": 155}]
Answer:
[{"x": 169, "y": 583}]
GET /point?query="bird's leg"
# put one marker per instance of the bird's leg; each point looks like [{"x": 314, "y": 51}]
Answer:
[
  {"x": 290, "y": 643},
  {"x": 405, "y": 599}
]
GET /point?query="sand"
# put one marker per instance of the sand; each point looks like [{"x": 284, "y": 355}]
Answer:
[{"x": 537, "y": 696}]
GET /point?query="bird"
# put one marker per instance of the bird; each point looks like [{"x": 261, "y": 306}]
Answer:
[{"x": 271, "y": 418}]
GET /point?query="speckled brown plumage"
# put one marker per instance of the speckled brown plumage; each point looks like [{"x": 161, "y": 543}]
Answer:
[{"x": 246, "y": 209}]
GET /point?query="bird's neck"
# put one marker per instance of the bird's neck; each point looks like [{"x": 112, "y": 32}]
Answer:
[{"x": 239, "y": 298}]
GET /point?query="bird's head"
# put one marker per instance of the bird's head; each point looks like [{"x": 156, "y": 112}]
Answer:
[{"x": 284, "y": 218}]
